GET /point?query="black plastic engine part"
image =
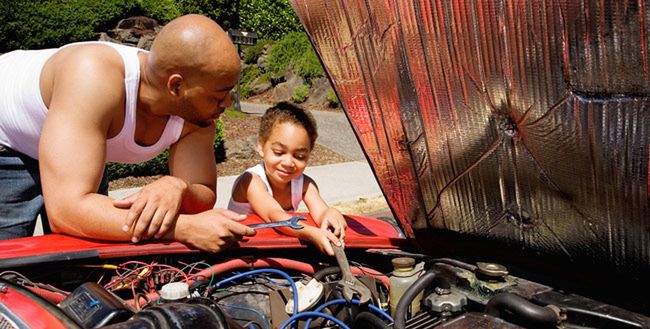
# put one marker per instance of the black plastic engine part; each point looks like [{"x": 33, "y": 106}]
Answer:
[
  {"x": 367, "y": 320},
  {"x": 429, "y": 277},
  {"x": 522, "y": 310},
  {"x": 178, "y": 316},
  {"x": 92, "y": 306}
]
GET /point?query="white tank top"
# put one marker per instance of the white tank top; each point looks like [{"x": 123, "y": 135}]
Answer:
[
  {"x": 23, "y": 112},
  {"x": 245, "y": 207}
]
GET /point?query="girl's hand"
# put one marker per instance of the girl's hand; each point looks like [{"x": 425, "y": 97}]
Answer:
[
  {"x": 322, "y": 239},
  {"x": 334, "y": 220}
]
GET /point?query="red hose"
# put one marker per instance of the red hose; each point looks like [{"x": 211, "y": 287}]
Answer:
[
  {"x": 273, "y": 262},
  {"x": 54, "y": 297}
]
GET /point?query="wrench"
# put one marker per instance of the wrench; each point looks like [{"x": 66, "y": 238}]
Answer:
[
  {"x": 349, "y": 283},
  {"x": 291, "y": 223}
]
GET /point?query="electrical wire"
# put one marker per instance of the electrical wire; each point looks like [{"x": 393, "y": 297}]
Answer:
[
  {"x": 313, "y": 315},
  {"x": 353, "y": 301},
  {"x": 294, "y": 289}
]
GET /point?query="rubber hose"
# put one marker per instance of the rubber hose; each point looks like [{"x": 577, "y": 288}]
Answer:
[
  {"x": 326, "y": 271},
  {"x": 522, "y": 308},
  {"x": 366, "y": 319},
  {"x": 409, "y": 295}
]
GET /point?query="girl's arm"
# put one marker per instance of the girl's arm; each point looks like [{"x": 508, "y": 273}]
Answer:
[
  {"x": 324, "y": 215},
  {"x": 265, "y": 206}
]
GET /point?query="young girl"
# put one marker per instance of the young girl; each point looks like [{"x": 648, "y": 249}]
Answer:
[{"x": 277, "y": 185}]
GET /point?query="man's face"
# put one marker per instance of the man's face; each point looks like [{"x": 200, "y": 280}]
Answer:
[{"x": 205, "y": 98}]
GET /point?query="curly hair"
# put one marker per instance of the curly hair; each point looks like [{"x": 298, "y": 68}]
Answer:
[{"x": 286, "y": 112}]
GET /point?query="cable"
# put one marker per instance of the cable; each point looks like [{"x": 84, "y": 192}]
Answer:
[
  {"x": 430, "y": 276},
  {"x": 294, "y": 289},
  {"x": 353, "y": 301},
  {"x": 312, "y": 315}
]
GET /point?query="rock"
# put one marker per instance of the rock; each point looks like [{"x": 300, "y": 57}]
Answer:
[
  {"x": 283, "y": 91},
  {"x": 260, "y": 87},
  {"x": 241, "y": 148},
  {"x": 136, "y": 31},
  {"x": 318, "y": 93}
]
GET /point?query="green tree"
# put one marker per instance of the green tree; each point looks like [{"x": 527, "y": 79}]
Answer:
[{"x": 270, "y": 19}]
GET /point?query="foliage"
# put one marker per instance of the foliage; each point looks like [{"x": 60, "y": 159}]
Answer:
[
  {"x": 159, "y": 164},
  {"x": 51, "y": 23},
  {"x": 294, "y": 51},
  {"x": 29, "y": 24},
  {"x": 332, "y": 99},
  {"x": 249, "y": 73},
  {"x": 300, "y": 94},
  {"x": 252, "y": 53},
  {"x": 270, "y": 19},
  {"x": 309, "y": 66}
]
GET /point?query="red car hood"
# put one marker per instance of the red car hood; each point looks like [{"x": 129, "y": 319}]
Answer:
[
  {"x": 362, "y": 233},
  {"x": 521, "y": 124}
]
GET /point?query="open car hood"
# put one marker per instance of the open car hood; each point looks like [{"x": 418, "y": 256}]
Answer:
[{"x": 517, "y": 124}]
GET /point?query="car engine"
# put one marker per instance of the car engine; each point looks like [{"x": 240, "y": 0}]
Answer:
[{"x": 389, "y": 288}]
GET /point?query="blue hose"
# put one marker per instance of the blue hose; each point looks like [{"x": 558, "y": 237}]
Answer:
[
  {"x": 311, "y": 315},
  {"x": 294, "y": 290},
  {"x": 355, "y": 302}
]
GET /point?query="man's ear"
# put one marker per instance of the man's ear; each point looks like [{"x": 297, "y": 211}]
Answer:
[{"x": 174, "y": 84}]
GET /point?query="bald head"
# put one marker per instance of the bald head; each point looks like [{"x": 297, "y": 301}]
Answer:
[{"x": 191, "y": 45}]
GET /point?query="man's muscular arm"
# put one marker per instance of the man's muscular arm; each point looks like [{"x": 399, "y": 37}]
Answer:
[
  {"x": 72, "y": 155},
  {"x": 190, "y": 189}
]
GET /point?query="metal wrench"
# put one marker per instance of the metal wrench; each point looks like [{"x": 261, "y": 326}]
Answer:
[
  {"x": 291, "y": 223},
  {"x": 349, "y": 283}
]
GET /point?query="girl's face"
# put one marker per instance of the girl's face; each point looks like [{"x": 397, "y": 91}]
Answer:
[{"x": 285, "y": 153}]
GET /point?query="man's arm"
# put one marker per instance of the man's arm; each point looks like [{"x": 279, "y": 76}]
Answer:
[
  {"x": 190, "y": 189},
  {"x": 72, "y": 155}
]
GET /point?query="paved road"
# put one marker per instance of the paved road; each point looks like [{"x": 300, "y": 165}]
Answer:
[{"x": 334, "y": 131}]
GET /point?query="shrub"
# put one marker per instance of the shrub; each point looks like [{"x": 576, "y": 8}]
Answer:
[
  {"x": 159, "y": 164},
  {"x": 294, "y": 51},
  {"x": 300, "y": 94},
  {"x": 332, "y": 99},
  {"x": 270, "y": 19},
  {"x": 52, "y": 23},
  {"x": 252, "y": 53}
]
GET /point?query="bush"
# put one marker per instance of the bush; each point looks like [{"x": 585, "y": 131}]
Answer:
[
  {"x": 300, "y": 94},
  {"x": 159, "y": 164},
  {"x": 294, "y": 51},
  {"x": 332, "y": 99},
  {"x": 252, "y": 53},
  {"x": 52, "y": 23},
  {"x": 270, "y": 19}
]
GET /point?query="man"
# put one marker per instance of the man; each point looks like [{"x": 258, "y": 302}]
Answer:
[{"x": 76, "y": 107}]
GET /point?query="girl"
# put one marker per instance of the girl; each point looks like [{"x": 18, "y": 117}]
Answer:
[{"x": 277, "y": 185}]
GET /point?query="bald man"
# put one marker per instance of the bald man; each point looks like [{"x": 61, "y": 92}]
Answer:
[{"x": 65, "y": 112}]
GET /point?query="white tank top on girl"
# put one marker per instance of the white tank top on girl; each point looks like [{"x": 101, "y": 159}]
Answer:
[
  {"x": 23, "y": 112},
  {"x": 245, "y": 207}
]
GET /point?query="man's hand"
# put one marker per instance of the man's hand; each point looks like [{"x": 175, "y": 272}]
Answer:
[
  {"x": 154, "y": 209},
  {"x": 334, "y": 220},
  {"x": 212, "y": 230}
]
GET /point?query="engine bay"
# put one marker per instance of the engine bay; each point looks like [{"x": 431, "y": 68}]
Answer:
[{"x": 383, "y": 289}]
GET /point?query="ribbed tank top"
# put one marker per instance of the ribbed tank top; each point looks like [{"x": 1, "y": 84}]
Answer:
[
  {"x": 23, "y": 112},
  {"x": 245, "y": 207}
]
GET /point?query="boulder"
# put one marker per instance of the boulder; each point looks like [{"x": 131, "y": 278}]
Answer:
[{"x": 283, "y": 91}]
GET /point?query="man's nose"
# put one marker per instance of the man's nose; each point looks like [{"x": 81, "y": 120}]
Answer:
[{"x": 226, "y": 101}]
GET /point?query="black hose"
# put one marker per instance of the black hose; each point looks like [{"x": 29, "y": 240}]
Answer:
[
  {"x": 522, "y": 309},
  {"x": 409, "y": 295},
  {"x": 366, "y": 319},
  {"x": 326, "y": 271}
]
